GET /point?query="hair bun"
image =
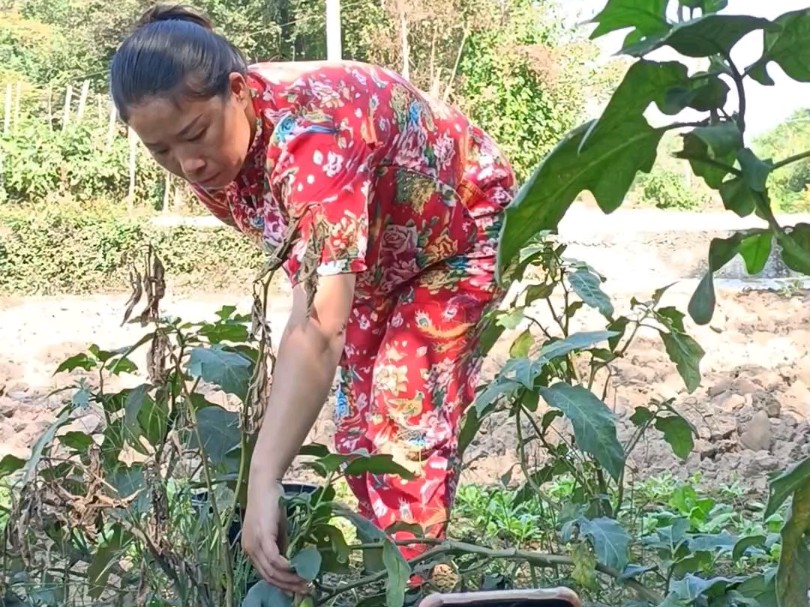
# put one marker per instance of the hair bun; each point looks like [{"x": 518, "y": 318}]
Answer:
[{"x": 174, "y": 12}]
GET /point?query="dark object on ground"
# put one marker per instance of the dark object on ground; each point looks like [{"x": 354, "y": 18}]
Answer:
[{"x": 200, "y": 500}]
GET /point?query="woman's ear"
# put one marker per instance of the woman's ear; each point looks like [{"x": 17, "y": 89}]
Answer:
[{"x": 240, "y": 89}]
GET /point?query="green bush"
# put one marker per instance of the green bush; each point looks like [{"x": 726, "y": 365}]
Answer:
[
  {"x": 666, "y": 189},
  {"x": 72, "y": 248},
  {"x": 41, "y": 160}
]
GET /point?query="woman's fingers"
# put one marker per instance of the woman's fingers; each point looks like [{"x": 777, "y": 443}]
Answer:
[{"x": 276, "y": 569}]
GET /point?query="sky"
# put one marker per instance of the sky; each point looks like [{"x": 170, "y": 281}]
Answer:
[{"x": 767, "y": 106}]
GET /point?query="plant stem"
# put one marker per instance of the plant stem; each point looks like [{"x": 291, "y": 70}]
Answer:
[
  {"x": 791, "y": 160},
  {"x": 229, "y": 590},
  {"x": 738, "y": 83},
  {"x": 537, "y": 559}
]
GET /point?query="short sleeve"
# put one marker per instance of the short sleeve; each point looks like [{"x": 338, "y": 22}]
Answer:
[{"x": 323, "y": 180}]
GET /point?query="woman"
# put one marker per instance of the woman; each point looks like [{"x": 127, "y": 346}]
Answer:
[{"x": 392, "y": 199}]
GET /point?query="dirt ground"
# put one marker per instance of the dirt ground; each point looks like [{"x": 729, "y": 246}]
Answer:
[{"x": 752, "y": 413}]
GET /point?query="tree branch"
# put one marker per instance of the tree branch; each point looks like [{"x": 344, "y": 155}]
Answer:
[
  {"x": 538, "y": 559},
  {"x": 791, "y": 160}
]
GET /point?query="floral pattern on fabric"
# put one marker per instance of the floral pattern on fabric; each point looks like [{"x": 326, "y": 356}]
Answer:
[{"x": 373, "y": 177}]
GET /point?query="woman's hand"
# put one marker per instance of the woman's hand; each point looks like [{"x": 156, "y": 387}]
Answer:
[{"x": 264, "y": 537}]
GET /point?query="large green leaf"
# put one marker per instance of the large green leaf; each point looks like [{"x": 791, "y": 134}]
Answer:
[
  {"x": 228, "y": 370},
  {"x": 399, "y": 572},
  {"x": 738, "y": 197},
  {"x": 793, "y": 575},
  {"x": 755, "y": 251},
  {"x": 263, "y": 594},
  {"x": 78, "y": 361},
  {"x": 44, "y": 441},
  {"x": 367, "y": 533},
  {"x": 788, "y": 46},
  {"x": 707, "y": 6},
  {"x": 138, "y": 399},
  {"x": 588, "y": 286},
  {"x": 686, "y": 353},
  {"x": 376, "y": 464},
  {"x": 703, "y": 92},
  {"x": 307, "y": 563},
  {"x": 702, "y": 37},
  {"x": 10, "y": 464},
  {"x": 750, "y": 243},
  {"x": 602, "y": 156},
  {"x": 786, "y": 484},
  {"x": 678, "y": 433},
  {"x": 574, "y": 342},
  {"x": 593, "y": 422},
  {"x": 219, "y": 433},
  {"x": 107, "y": 555},
  {"x": 719, "y": 143},
  {"x": 610, "y": 540},
  {"x": 644, "y": 16},
  {"x": 800, "y": 235}
]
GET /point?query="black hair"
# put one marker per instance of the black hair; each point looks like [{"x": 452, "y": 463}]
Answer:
[{"x": 172, "y": 50}]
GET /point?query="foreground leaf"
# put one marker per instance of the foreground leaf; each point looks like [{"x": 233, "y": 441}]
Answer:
[
  {"x": 788, "y": 46},
  {"x": 646, "y": 17},
  {"x": 78, "y": 361},
  {"x": 588, "y": 287},
  {"x": 9, "y": 465},
  {"x": 686, "y": 353},
  {"x": 399, "y": 572},
  {"x": 594, "y": 424},
  {"x": 800, "y": 235},
  {"x": 307, "y": 563},
  {"x": 793, "y": 574},
  {"x": 738, "y": 197},
  {"x": 703, "y": 37},
  {"x": 718, "y": 143},
  {"x": 263, "y": 594},
  {"x": 786, "y": 484},
  {"x": 610, "y": 540},
  {"x": 104, "y": 558},
  {"x": 751, "y": 243},
  {"x": 218, "y": 432},
  {"x": 678, "y": 433},
  {"x": 228, "y": 370},
  {"x": 602, "y": 156}
]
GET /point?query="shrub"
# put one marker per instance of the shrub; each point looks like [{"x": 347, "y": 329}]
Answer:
[{"x": 80, "y": 248}]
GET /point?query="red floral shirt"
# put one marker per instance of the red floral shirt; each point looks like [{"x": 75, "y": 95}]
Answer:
[{"x": 375, "y": 177}]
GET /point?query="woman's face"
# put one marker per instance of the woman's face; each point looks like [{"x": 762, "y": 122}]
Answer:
[{"x": 204, "y": 141}]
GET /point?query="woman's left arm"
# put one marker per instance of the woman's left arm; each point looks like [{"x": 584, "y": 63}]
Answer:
[{"x": 307, "y": 359}]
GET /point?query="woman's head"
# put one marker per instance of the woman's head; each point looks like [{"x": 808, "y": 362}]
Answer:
[{"x": 183, "y": 89}]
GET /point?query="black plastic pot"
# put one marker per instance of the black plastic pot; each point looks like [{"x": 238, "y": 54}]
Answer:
[{"x": 200, "y": 500}]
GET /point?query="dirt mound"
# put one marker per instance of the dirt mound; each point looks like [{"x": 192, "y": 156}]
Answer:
[{"x": 751, "y": 414}]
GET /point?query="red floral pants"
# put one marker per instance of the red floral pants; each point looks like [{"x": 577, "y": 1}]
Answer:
[{"x": 408, "y": 374}]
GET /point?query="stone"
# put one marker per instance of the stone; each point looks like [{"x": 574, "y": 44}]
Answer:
[
  {"x": 8, "y": 407},
  {"x": 728, "y": 401},
  {"x": 762, "y": 461},
  {"x": 637, "y": 373},
  {"x": 721, "y": 387},
  {"x": 743, "y": 385},
  {"x": 756, "y": 435},
  {"x": 765, "y": 401}
]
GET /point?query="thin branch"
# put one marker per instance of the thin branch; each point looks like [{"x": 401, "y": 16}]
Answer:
[
  {"x": 791, "y": 160},
  {"x": 738, "y": 83},
  {"x": 538, "y": 559}
]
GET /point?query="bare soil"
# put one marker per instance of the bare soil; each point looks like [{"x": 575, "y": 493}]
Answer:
[{"x": 752, "y": 413}]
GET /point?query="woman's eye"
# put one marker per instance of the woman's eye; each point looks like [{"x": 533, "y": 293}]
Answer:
[{"x": 197, "y": 136}]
